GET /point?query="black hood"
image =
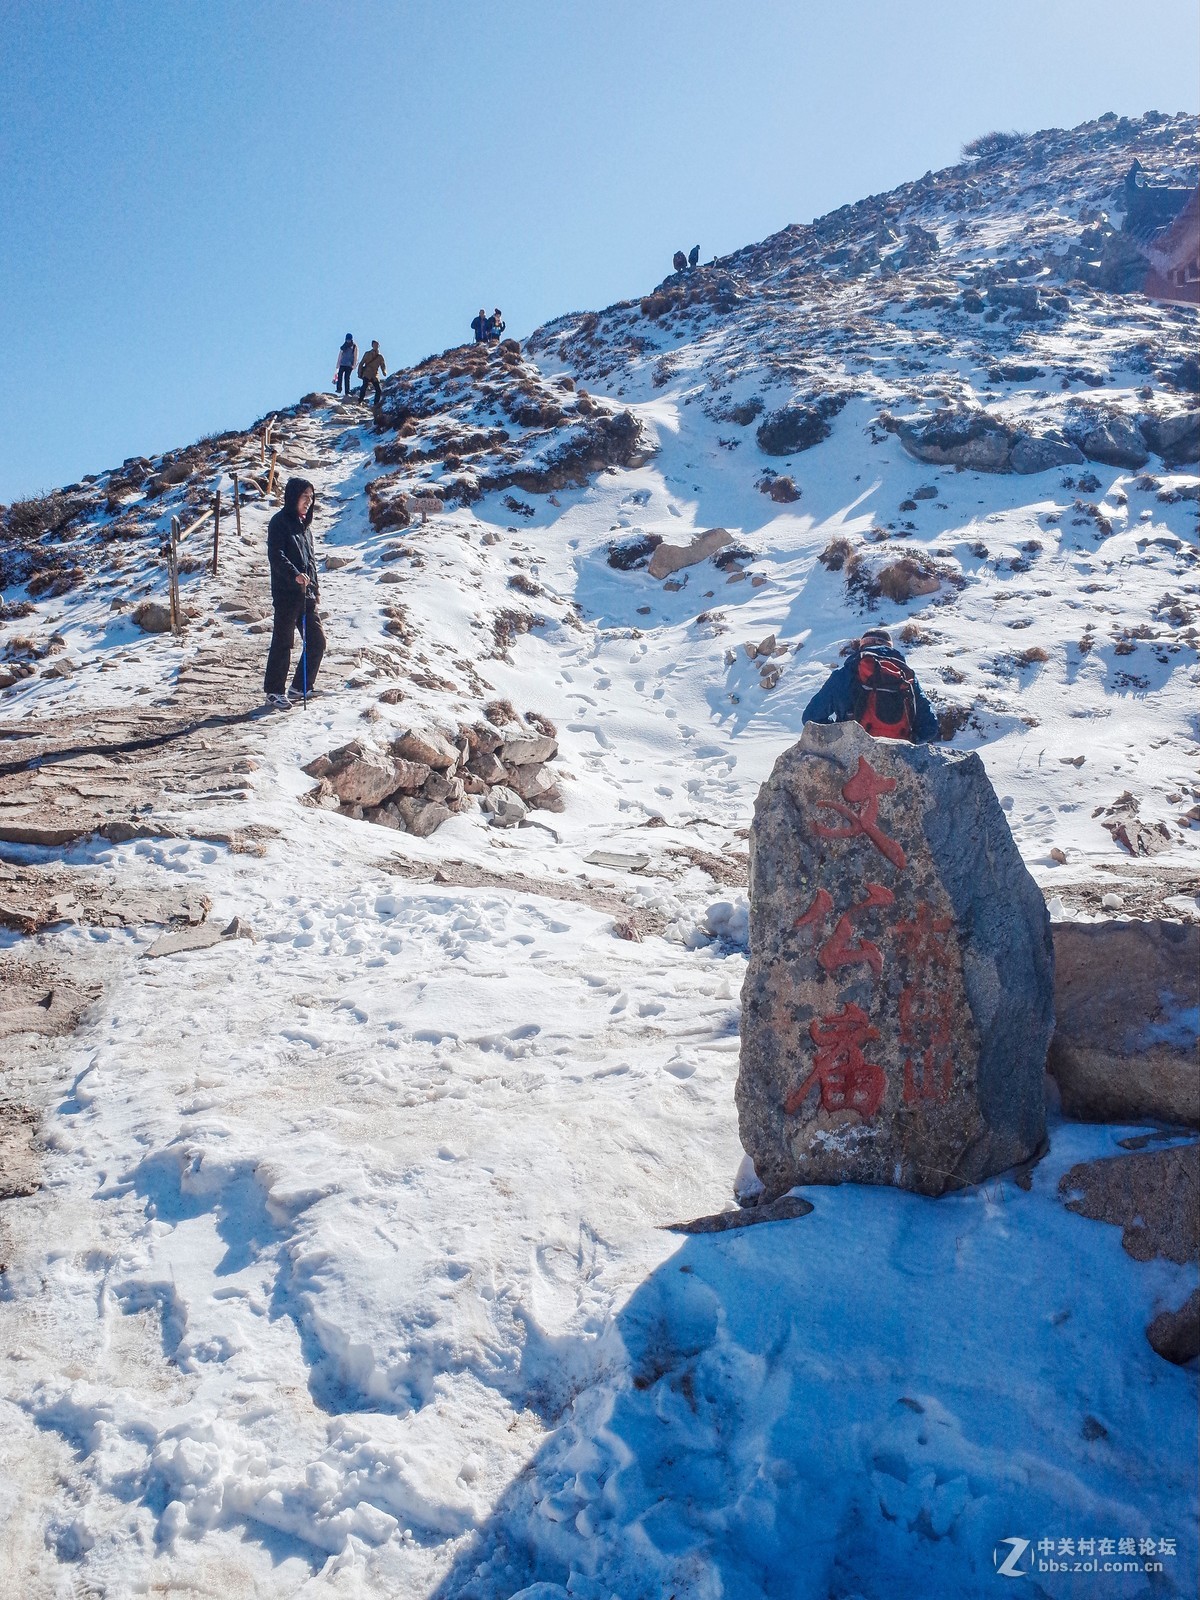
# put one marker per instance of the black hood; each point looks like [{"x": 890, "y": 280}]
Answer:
[{"x": 293, "y": 489}]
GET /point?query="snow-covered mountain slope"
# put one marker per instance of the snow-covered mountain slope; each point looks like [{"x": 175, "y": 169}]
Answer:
[{"x": 347, "y": 1275}]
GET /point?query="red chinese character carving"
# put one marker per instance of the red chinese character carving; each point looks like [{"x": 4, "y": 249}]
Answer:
[
  {"x": 920, "y": 937},
  {"x": 924, "y": 1015},
  {"x": 842, "y": 950},
  {"x": 821, "y": 906},
  {"x": 848, "y": 1081},
  {"x": 930, "y": 1079},
  {"x": 925, "y": 1023},
  {"x": 862, "y": 792}
]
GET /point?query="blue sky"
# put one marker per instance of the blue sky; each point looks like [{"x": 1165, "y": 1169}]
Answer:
[{"x": 197, "y": 200}]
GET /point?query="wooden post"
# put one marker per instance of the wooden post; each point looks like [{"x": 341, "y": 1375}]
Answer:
[
  {"x": 216, "y": 531},
  {"x": 173, "y": 577},
  {"x": 237, "y": 506},
  {"x": 274, "y": 463}
]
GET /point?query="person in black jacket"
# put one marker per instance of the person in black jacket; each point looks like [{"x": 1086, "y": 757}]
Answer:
[
  {"x": 295, "y": 590},
  {"x": 847, "y": 695},
  {"x": 480, "y": 327}
]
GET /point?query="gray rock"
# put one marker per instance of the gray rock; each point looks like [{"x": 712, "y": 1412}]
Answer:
[
  {"x": 1108, "y": 436},
  {"x": 506, "y": 809},
  {"x": 965, "y": 438},
  {"x": 1031, "y": 454},
  {"x": 1175, "y": 439},
  {"x": 522, "y": 750},
  {"x": 529, "y": 782},
  {"x": 1175, "y": 1335},
  {"x": 1125, "y": 1046},
  {"x": 1150, "y": 1195},
  {"x": 153, "y": 616},
  {"x": 899, "y": 998},
  {"x": 421, "y": 817}
]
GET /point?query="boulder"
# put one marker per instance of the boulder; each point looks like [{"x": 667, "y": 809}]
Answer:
[
  {"x": 1031, "y": 454},
  {"x": 1108, "y": 436},
  {"x": 1126, "y": 999},
  {"x": 798, "y": 425},
  {"x": 506, "y": 809},
  {"x": 153, "y": 616},
  {"x": 357, "y": 773},
  {"x": 450, "y": 791},
  {"x": 530, "y": 782},
  {"x": 669, "y": 558},
  {"x": 1149, "y": 1194},
  {"x": 971, "y": 439},
  {"x": 899, "y": 998},
  {"x": 409, "y": 776},
  {"x": 1175, "y": 439},
  {"x": 421, "y": 817},
  {"x": 523, "y": 749},
  {"x": 429, "y": 747},
  {"x": 1175, "y": 1335}
]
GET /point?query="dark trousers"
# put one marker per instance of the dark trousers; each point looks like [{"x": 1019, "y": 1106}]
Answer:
[
  {"x": 288, "y": 615},
  {"x": 362, "y": 393},
  {"x": 345, "y": 374}
]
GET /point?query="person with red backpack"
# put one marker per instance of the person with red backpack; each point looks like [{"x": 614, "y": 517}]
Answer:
[{"x": 876, "y": 687}]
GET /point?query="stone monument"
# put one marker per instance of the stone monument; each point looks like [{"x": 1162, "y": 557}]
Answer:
[{"x": 899, "y": 1001}]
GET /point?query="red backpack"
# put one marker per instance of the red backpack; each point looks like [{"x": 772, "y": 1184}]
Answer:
[{"x": 884, "y": 700}]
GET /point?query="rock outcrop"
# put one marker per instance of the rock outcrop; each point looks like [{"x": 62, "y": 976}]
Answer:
[
  {"x": 1126, "y": 999},
  {"x": 899, "y": 999}
]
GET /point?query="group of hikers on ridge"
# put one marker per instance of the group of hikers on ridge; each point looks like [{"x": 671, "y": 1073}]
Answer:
[
  {"x": 487, "y": 330},
  {"x": 370, "y": 369}
]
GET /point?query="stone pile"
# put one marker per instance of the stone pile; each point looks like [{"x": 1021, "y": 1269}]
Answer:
[{"x": 423, "y": 776}]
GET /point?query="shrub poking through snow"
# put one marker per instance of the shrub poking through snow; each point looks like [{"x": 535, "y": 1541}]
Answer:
[{"x": 835, "y": 554}]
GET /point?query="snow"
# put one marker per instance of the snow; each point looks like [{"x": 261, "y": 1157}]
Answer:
[{"x": 348, "y": 1275}]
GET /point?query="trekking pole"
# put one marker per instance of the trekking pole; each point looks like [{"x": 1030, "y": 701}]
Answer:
[{"x": 304, "y": 649}]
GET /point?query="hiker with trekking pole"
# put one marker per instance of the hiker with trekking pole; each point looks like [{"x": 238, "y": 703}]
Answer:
[
  {"x": 295, "y": 591},
  {"x": 876, "y": 687}
]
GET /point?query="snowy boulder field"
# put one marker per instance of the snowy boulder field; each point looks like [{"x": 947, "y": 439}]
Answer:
[{"x": 350, "y": 1270}]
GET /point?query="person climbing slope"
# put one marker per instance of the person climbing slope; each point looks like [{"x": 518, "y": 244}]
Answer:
[
  {"x": 295, "y": 591},
  {"x": 876, "y": 687},
  {"x": 369, "y": 368},
  {"x": 347, "y": 359}
]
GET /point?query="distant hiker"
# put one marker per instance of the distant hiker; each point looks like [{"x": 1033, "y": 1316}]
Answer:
[
  {"x": 369, "y": 368},
  {"x": 693, "y": 255},
  {"x": 480, "y": 327},
  {"x": 495, "y": 326},
  {"x": 876, "y": 687},
  {"x": 679, "y": 261},
  {"x": 347, "y": 360},
  {"x": 295, "y": 590}
]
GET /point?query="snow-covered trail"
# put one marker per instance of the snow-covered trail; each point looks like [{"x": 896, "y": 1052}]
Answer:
[{"x": 347, "y": 1276}]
